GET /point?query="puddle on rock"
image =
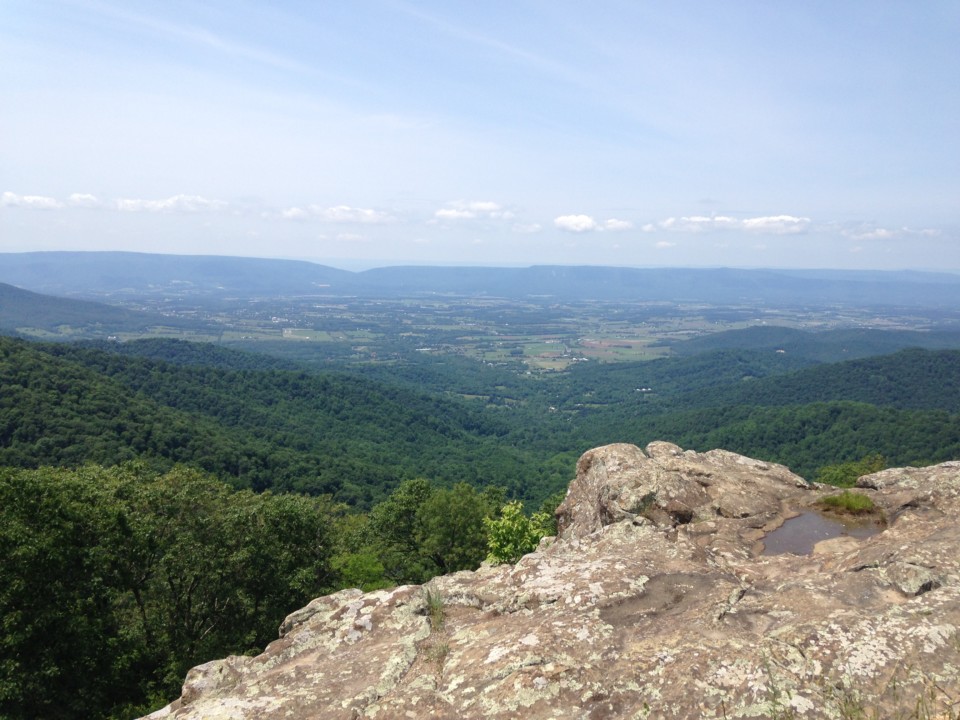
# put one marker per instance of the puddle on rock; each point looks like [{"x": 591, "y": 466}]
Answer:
[{"x": 799, "y": 534}]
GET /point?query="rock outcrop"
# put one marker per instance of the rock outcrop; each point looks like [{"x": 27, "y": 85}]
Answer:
[{"x": 654, "y": 601}]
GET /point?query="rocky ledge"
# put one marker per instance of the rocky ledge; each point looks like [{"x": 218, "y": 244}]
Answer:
[{"x": 654, "y": 601}]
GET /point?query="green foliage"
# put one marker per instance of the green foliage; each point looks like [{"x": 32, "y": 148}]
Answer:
[
  {"x": 450, "y": 529},
  {"x": 356, "y": 563},
  {"x": 264, "y": 429},
  {"x": 513, "y": 534},
  {"x": 393, "y": 533},
  {"x": 116, "y": 582},
  {"x": 58, "y": 659},
  {"x": 849, "y": 503},
  {"x": 421, "y": 531},
  {"x": 259, "y": 426},
  {"x": 908, "y": 379},
  {"x": 846, "y": 474},
  {"x": 436, "y": 609}
]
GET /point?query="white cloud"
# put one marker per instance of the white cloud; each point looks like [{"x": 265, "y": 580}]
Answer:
[
  {"x": 338, "y": 214},
  {"x": 527, "y": 228},
  {"x": 697, "y": 223},
  {"x": 176, "y": 203},
  {"x": 351, "y": 237},
  {"x": 472, "y": 210},
  {"x": 575, "y": 223},
  {"x": 84, "y": 200},
  {"x": 33, "y": 202},
  {"x": 485, "y": 206},
  {"x": 347, "y": 214},
  {"x": 294, "y": 213},
  {"x": 870, "y": 232},
  {"x": 585, "y": 223},
  {"x": 665, "y": 244},
  {"x": 777, "y": 224},
  {"x": 454, "y": 214},
  {"x": 773, "y": 224},
  {"x": 876, "y": 234}
]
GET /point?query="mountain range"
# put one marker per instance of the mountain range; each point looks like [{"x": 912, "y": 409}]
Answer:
[{"x": 104, "y": 274}]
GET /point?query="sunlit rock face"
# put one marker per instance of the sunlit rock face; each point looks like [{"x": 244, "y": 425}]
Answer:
[{"x": 655, "y": 601}]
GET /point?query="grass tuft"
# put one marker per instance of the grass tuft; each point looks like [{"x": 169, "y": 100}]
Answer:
[
  {"x": 848, "y": 503},
  {"x": 436, "y": 610}
]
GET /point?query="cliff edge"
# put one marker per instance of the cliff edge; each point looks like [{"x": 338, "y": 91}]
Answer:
[{"x": 655, "y": 600}]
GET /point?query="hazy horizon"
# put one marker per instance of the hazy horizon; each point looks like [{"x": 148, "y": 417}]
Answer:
[
  {"x": 360, "y": 265},
  {"x": 689, "y": 134}
]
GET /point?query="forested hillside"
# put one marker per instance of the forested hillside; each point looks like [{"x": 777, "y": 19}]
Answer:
[
  {"x": 259, "y": 422},
  {"x": 907, "y": 380},
  {"x": 825, "y": 346},
  {"x": 140, "y": 540},
  {"x": 280, "y": 429}
]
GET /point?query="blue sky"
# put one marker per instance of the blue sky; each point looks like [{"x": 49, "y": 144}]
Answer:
[{"x": 748, "y": 134}]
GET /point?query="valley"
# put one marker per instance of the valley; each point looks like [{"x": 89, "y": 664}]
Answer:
[{"x": 181, "y": 442}]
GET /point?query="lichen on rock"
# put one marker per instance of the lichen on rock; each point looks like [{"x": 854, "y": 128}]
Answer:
[{"x": 652, "y": 602}]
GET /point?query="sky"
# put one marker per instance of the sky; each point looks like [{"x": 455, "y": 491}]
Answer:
[{"x": 814, "y": 134}]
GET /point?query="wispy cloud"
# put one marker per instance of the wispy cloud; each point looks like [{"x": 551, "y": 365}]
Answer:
[
  {"x": 33, "y": 202},
  {"x": 84, "y": 200},
  {"x": 199, "y": 36},
  {"x": 770, "y": 224},
  {"x": 777, "y": 224},
  {"x": 472, "y": 210},
  {"x": 537, "y": 62},
  {"x": 867, "y": 232},
  {"x": 347, "y": 214},
  {"x": 174, "y": 204},
  {"x": 585, "y": 223},
  {"x": 343, "y": 214}
]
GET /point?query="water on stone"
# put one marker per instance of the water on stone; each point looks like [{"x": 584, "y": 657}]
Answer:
[{"x": 798, "y": 535}]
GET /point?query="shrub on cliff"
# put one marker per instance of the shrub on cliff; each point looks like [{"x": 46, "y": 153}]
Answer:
[{"x": 513, "y": 534}]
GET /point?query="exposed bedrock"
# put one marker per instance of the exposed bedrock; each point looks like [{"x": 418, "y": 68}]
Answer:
[{"x": 652, "y": 602}]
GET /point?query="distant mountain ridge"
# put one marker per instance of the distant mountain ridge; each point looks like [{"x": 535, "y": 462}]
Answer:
[
  {"x": 105, "y": 274},
  {"x": 24, "y": 308}
]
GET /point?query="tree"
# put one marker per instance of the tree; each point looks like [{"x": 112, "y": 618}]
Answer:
[
  {"x": 513, "y": 534},
  {"x": 393, "y": 532},
  {"x": 115, "y": 582},
  {"x": 450, "y": 529},
  {"x": 846, "y": 474},
  {"x": 60, "y": 638}
]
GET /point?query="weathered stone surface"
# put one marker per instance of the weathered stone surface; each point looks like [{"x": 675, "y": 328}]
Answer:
[{"x": 653, "y": 602}]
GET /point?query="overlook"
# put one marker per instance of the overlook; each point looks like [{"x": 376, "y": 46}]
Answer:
[
  {"x": 652, "y": 602},
  {"x": 539, "y": 359}
]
